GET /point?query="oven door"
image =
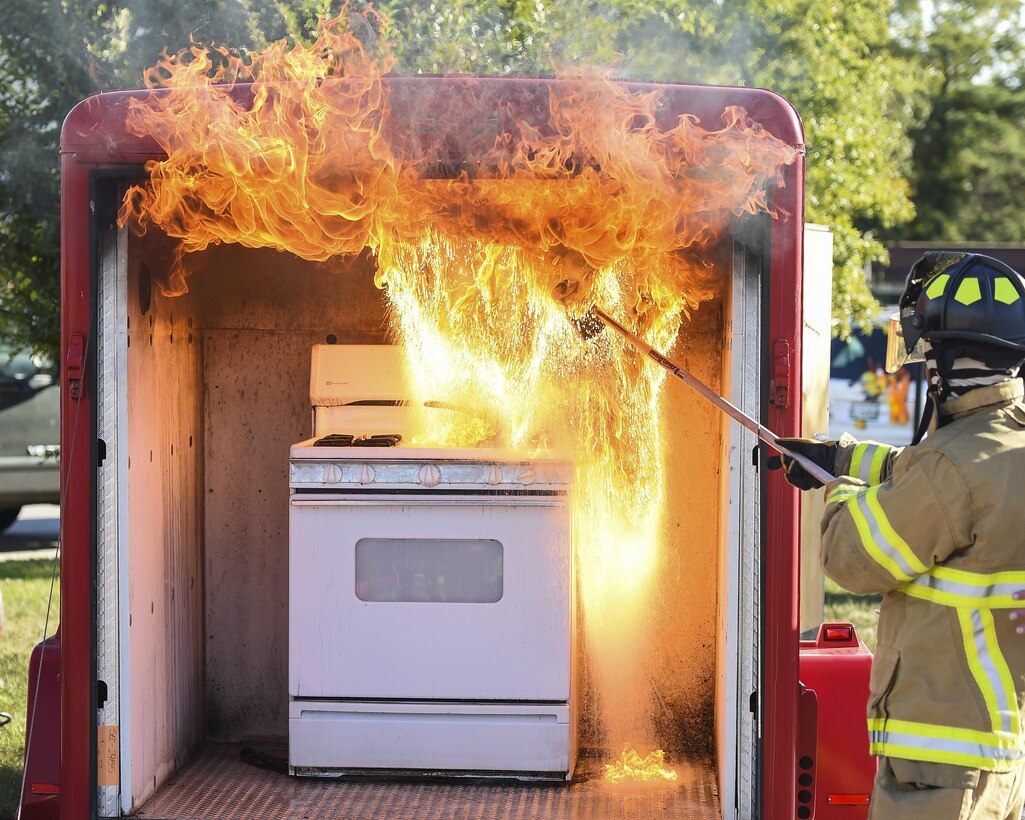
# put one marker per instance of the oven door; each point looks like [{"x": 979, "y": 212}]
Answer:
[{"x": 465, "y": 598}]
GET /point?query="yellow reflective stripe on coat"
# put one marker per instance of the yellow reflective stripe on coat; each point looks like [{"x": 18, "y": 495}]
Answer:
[
  {"x": 867, "y": 460},
  {"x": 992, "y": 751},
  {"x": 881, "y": 541},
  {"x": 961, "y": 588},
  {"x": 989, "y": 668}
]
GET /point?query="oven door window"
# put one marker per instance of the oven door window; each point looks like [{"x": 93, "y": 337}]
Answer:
[{"x": 429, "y": 570}]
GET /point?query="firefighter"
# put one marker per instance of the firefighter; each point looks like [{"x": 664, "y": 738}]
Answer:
[
  {"x": 873, "y": 382},
  {"x": 897, "y": 396},
  {"x": 938, "y": 528}
]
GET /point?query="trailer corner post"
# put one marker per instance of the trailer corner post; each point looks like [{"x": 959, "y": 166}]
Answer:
[
  {"x": 76, "y": 502},
  {"x": 780, "y": 683}
]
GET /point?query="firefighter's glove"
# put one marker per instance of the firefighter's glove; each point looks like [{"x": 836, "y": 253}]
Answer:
[{"x": 822, "y": 453}]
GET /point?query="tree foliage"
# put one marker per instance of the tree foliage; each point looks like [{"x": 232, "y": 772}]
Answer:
[
  {"x": 39, "y": 85},
  {"x": 841, "y": 65},
  {"x": 55, "y": 53},
  {"x": 969, "y": 151}
]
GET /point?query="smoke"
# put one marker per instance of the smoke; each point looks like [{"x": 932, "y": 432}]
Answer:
[{"x": 672, "y": 42}]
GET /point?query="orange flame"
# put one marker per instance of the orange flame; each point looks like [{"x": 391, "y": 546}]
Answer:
[
  {"x": 632, "y": 767},
  {"x": 599, "y": 196},
  {"x": 304, "y": 168}
]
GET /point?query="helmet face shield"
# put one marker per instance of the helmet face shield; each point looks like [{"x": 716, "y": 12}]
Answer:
[{"x": 897, "y": 353}]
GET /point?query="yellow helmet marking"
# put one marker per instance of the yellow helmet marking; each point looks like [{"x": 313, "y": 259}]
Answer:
[
  {"x": 1005, "y": 291},
  {"x": 968, "y": 292},
  {"x": 937, "y": 286}
]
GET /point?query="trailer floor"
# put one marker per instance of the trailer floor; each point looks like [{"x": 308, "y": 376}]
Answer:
[{"x": 218, "y": 784}]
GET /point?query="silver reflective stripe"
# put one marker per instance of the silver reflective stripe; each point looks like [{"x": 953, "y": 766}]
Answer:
[
  {"x": 947, "y": 745},
  {"x": 990, "y": 662},
  {"x": 959, "y": 593},
  {"x": 867, "y": 461},
  {"x": 842, "y": 492},
  {"x": 881, "y": 542}
]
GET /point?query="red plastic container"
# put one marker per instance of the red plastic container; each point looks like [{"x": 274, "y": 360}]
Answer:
[
  {"x": 41, "y": 797},
  {"x": 834, "y": 769}
]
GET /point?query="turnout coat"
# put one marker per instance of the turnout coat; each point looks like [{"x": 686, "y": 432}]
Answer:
[{"x": 939, "y": 530}]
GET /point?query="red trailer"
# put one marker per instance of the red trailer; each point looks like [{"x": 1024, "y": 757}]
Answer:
[{"x": 173, "y": 639}]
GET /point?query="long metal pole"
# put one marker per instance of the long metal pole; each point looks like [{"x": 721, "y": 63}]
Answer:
[{"x": 735, "y": 413}]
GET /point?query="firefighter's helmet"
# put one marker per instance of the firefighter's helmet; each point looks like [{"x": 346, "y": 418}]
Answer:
[{"x": 958, "y": 296}]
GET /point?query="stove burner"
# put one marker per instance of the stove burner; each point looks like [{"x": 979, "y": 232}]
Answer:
[{"x": 348, "y": 440}]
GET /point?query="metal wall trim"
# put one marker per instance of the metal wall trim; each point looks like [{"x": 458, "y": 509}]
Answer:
[
  {"x": 738, "y": 763},
  {"x": 111, "y": 565}
]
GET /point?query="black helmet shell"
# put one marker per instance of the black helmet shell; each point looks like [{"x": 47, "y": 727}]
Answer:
[{"x": 963, "y": 296}]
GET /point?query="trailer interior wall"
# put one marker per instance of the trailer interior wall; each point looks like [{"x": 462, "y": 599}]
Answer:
[
  {"x": 164, "y": 516},
  {"x": 689, "y": 593},
  {"x": 217, "y": 388},
  {"x": 263, "y": 311}
]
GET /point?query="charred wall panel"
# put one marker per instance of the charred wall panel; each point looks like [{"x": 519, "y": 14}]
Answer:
[
  {"x": 687, "y": 598},
  {"x": 263, "y": 312}
]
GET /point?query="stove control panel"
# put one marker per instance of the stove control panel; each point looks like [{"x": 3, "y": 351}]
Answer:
[{"x": 313, "y": 468}]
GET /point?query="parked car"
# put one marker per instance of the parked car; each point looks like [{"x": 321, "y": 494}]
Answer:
[
  {"x": 29, "y": 434},
  {"x": 864, "y": 400}
]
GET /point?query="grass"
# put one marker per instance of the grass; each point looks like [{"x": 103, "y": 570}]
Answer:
[
  {"x": 25, "y": 586},
  {"x": 860, "y": 610}
]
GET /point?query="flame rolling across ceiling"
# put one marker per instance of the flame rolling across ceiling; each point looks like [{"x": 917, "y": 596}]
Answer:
[{"x": 601, "y": 202}]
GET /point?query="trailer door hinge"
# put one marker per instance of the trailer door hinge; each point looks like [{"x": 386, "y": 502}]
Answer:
[
  {"x": 74, "y": 364},
  {"x": 780, "y": 394}
]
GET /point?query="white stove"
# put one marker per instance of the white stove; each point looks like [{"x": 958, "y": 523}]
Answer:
[{"x": 430, "y": 598}]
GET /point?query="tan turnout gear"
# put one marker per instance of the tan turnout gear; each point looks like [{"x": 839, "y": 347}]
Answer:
[
  {"x": 904, "y": 788},
  {"x": 939, "y": 530}
]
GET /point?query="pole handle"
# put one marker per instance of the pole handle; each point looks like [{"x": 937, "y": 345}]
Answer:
[{"x": 731, "y": 410}]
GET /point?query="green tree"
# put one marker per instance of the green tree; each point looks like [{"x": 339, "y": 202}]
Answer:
[
  {"x": 40, "y": 83},
  {"x": 53, "y": 54},
  {"x": 840, "y": 65},
  {"x": 969, "y": 151}
]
